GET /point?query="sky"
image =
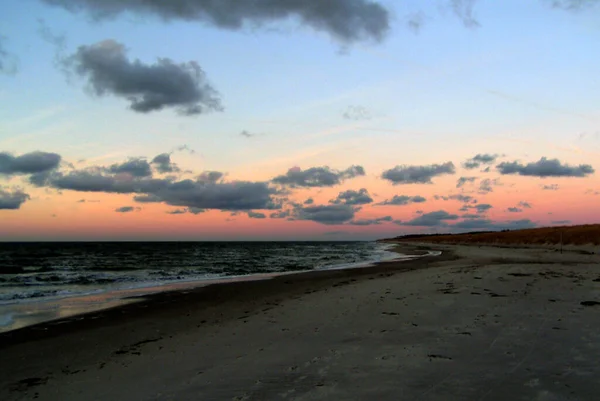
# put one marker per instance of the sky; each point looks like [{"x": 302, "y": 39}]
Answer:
[{"x": 312, "y": 120}]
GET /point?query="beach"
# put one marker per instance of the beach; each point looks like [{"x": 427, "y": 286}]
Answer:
[{"x": 476, "y": 322}]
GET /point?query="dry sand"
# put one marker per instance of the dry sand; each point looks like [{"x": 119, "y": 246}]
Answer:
[{"x": 477, "y": 323}]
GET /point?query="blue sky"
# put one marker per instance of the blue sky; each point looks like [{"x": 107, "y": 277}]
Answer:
[{"x": 522, "y": 83}]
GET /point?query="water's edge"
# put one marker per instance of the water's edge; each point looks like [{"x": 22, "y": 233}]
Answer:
[{"x": 23, "y": 314}]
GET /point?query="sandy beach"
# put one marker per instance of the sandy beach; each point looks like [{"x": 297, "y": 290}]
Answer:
[{"x": 476, "y": 323}]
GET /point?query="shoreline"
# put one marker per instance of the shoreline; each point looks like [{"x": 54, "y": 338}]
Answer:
[
  {"x": 473, "y": 323},
  {"x": 202, "y": 291},
  {"x": 32, "y": 311}
]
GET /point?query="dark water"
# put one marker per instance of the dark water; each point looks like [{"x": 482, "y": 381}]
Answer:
[{"x": 39, "y": 271}]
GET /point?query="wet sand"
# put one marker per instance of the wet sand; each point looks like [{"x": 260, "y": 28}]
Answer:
[{"x": 477, "y": 323}]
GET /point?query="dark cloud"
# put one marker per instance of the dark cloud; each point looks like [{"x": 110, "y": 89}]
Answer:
[
  {"x": 28, "y": 163},
  {"x": 479, "y": 160},
  {"x": 211, "y": 177},
  {"x": 239, "y": 195},
  {"x": 147, "y": 87},
  {"x": 12, "y": 200},
  {"x": 370, "y": 222},
  {"x": 551, "y": 187},
  {"x": 561, "y": 222},
  {"x": 400, "y": 200},
  {"x": 457, "y": 197},
  {"x": 309, "y": 201},
  {"x": 489, "y": 225},
  {"x": 525, "y": 205},
  {"x": 147, "y": 199},
  {"x": 317, "y": 176},
  {"x": 163, "y": 164},
  {"x": 482, "y": 207},
  {"x": 486, "y": 186},
  {"x": 545, "y": 168},
  {"x": 325, "y": 214},
  {"x": 514, "y": 210},
  {"x": 345, "y": 20},
  {"x": 470, "y": 216},
  {"x": 431, "y": 219},
  {"x": 463, "y": 180},
  {"x": 256, "y": 215},
  {"x": 351, "y": 197},
  {"x": 195, "y": 210},
  {"x": 356, "y": 113},
  {"x": 135, "y": 167},
  {"x": 126, "y": 209},
  {"x": 177, "y": 211},
  {"x": 417, "y": 174},
  {"x": 282, "y": 214}
]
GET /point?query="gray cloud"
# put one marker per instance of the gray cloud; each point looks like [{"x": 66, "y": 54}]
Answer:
[
  {"x": 479, "y": 160},
  {"x": 325, "y": 214},
  {"x": 482, "y": 207},
  {"x": 345, "y": 20},
  {"x": 256, "y": 215},
  {"x": 370, "y": 222},
  {"x": 12, "y": 200},
  {"x": 309, "y": 201},
  {"x": 463, "y": 180},
  {"x": 28, "y": 163},
  {"x": 489, "y": 225},
  {"x": 126, "y": 209},
  {"x": 356, "y": 113},
  {"x": 399, "y": 200},
  {"x": 177, "y": 211},
  {"x": 282, "y": 214},
  {"x": 432, "y": 219},
  {"x": 470, "y": 216},
  {"x": 195, "y": 210},
  {"x": 561, "y": 222},
  {"x": 457, "y": 197},
  {"x": 135, "y": 167},
  {"x": 246, "y": 134},
  {"x": 551, "y": 187},
  {"x": 239, "y": 195},
  {"x": 486, "y": 186},
  {"x": 351, "y": 197},
  {"x": 147, "y": 87},
  {"x": 211, "y": 177},
  {"x": 545, "y": 168},
  {"x": 163, "y": 164},
  {"x": 525, "y": 205},
  {"x": 417, "y": 174},
  {"x": 317, "y": 176},
  {"x": 514, "y": 210}
]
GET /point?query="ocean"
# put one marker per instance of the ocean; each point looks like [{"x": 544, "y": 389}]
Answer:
[{"x": 44, "y": 281}]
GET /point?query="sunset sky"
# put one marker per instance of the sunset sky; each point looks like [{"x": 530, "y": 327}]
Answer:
[{"x": 314, "y": 120}]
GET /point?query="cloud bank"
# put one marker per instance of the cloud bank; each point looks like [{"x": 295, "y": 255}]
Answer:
[
  {"x": 28, "y": 163},
  {"x": 545, "y": 168},
  {"x": 317, "y": 176},
  {"x": 345, "y": 20},
  {"x": 417, "y": 174}
]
